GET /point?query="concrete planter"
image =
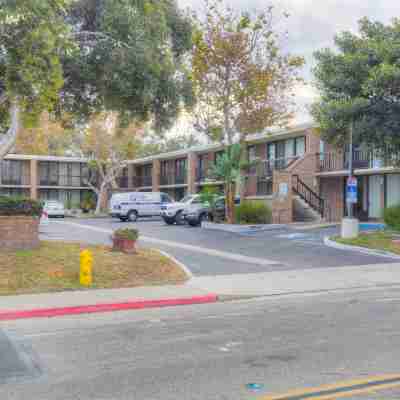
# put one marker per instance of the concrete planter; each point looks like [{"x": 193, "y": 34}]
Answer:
[
  {"x": 19, "y": 233},
  {"x": 241, "y": 229},
  {"x": 124, "y": 245}
]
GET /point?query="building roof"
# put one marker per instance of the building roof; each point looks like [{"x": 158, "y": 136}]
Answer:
[{"x": 254, "y": 138}]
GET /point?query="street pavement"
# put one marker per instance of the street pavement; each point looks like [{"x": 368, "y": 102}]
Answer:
[
  {"x": 206, "y": 351},
  {"x": 283, "y": 249}
]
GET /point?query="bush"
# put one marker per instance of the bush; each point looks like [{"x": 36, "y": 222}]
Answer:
[
  {"x": 126, "y": 233},
  {"x": 253, "y": 212},
  {"x": 391, "y": 215},
  {"x": 13, "y": 206}
]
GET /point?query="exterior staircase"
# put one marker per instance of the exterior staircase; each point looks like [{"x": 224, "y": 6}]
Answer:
[{"x": 308, "y": 206}]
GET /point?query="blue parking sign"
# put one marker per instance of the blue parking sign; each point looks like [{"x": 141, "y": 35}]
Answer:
[{"x": 351, "y": 190}]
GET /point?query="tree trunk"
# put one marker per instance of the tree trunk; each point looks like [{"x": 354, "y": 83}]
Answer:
[
  {"x": 243, "y": 171},
  {"x": 100, "y": 197},
  {"x": 8, "y": 140},
  {"x": 230, "y": 203}
]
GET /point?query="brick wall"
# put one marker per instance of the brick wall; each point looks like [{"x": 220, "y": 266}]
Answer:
[
  {"x": 332, "y": 191},
  {"x": 19, "y": 233},
  {"x": 282, "y": 206}
]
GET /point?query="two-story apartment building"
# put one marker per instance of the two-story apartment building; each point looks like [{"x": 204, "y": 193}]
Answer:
[
  {"x": 45, "y": 178},
  {"x": 293, "y": 162},
  {"x": 378, "y": 178}
]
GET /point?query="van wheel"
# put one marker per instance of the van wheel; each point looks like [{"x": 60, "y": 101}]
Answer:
[
  {"x": 203, "y": 217},
  {"x": 132, "y": 216},
  {"x": 169, "y": 221},
  {"x": 123, "y": 219},
  {"x": 179, "y": 218}
]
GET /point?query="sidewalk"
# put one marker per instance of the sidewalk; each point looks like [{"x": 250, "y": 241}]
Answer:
[
  {"x": 200, "y": 290},
  {"x": 101, "y": 300},
  {"x": 301, "y": 281}
]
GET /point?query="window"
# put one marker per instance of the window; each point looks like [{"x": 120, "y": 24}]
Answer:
[
  {"x": 11, "y": 172},
  {"x": 300, "y": 146},
  {"x": 147, "y": 169},
  {"x": 165, "y": 198},
  {"x": 271, "y": 151},
  {"x": 75, "y": 174},
  {"x": 252, "y": 153},
  {"x": 290, "y": 148},
  {"x": 180, "y": 166}
]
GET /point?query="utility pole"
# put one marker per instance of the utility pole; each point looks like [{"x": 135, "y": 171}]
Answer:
[{"x": 349, "y": 204}]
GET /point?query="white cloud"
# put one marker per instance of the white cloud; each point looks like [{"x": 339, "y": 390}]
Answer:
[{"x": 313, "y": 23}]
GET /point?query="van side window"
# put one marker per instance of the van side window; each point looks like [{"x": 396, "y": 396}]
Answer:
[{"x": 165, "y": 198}]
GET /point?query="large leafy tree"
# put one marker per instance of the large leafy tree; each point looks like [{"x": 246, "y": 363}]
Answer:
[
  {"x": 243, "y": 79},
  {"x": 86, "y": 57},
  {"x": 33, "y": 36},
  {"x": 359, "y": 84},
  {"x": 108, "y": 146},
  {"x": 129, "y": 60}
]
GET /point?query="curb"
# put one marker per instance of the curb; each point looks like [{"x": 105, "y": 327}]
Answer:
[
  {"x": 106, "y": 307},
  {"x": 241, "y": 229},
  {"x": 187, "y": 271},
  {"x": 378, "y": 253}
]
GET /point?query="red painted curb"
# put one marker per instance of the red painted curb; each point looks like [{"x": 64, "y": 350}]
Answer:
[{"x": 108, "y": 307}]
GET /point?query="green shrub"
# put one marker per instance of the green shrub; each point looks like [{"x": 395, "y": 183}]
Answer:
[
  {"x": 253, "y": 212},
  {"x": 88, "y": 202},
  {"x": 126, "y": 233},
  {"x": 391, "y": 215},
  {"x": 13, "y": 206}
]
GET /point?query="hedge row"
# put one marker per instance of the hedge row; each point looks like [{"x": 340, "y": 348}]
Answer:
[{"x": 13, "y": 206}]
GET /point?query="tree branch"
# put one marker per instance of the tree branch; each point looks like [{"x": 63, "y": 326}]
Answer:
[{"x": 8, "y": 140}]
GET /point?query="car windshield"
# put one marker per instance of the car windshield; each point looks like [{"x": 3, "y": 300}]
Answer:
[{"x": 186, "y": 199}]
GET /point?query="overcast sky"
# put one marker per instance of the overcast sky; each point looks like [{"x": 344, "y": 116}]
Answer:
[{"x": 313, "y": 23}]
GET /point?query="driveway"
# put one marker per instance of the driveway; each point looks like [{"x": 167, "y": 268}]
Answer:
[{"x": 208, "y": 252}]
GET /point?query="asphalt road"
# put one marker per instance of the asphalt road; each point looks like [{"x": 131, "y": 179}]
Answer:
[
  {"x": 286, "y": 249},
  {"x": 204, "y": 352}
]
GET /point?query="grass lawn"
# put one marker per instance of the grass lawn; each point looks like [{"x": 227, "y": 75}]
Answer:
[
  {"x": 374, "y": 240},
  {"x": 55, "y": 267}
]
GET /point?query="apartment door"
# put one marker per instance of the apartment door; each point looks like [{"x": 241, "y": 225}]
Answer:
[{"x": 375, "y": 197}]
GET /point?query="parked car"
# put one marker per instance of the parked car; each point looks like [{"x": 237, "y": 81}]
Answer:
[
  {"x": 174, "y": 212},
  {"x": 218, "y": 213},
  {"x": 130, "y": 206},
  {"x": 197, "y": 212},
  {"x": 54, "y": 208}
]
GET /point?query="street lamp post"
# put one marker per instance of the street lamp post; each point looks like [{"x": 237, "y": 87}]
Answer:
[
  {"x": 350, "y": 204},
  {"x": 350, "y": 225}
]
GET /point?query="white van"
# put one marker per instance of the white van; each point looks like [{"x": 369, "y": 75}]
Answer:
[{"x": 131, "y": 206}]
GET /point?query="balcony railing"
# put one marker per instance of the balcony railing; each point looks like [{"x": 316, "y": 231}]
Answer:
[
  {"x": 264, "y": 186},
  {"x": 142, "y": 181},
  {"x": 361, "y": 160},
  {"x": 203, "y": 175},
  {"x": 16, "y": 181},
  {"x": 266, "y": 168},
  {"x": 67, "y": 181},
  {"x": 171, "y": 179},
  {"x": 123, "y": 182}
]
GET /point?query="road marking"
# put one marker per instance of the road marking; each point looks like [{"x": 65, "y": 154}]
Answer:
[
  {"x": 340, "y": 389},
  {"x": 182, "y": 246},
  {"x": 391, "y": 300}
]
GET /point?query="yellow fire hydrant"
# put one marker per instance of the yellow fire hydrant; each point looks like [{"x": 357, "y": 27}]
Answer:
[{"x": 86, "y": 268}]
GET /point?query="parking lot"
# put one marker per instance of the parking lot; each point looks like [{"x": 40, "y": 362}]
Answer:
[{"x": 208, "y": 252}]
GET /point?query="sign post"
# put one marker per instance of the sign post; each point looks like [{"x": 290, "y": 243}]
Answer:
[{"x": 350, "y": 227}]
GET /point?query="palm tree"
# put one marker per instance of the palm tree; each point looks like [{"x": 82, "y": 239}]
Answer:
[{"x": 227, "y": 169}]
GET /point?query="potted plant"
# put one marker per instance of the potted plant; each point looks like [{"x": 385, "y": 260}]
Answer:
[{"x": 124, "y": 240}]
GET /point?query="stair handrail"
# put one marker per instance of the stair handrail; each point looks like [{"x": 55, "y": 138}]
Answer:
[{"x": 320, "y": 207}]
